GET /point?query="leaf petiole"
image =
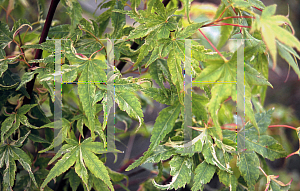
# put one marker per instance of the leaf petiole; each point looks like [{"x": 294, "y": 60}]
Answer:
[{"x": 225, "y": 60}]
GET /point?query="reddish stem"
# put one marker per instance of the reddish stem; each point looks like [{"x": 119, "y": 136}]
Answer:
[
  {"x": 229, "y": 128},
  {"x": 287, "y": 126},
  {"x": 230, "y": 24},
  {"x": 96, "y": 52},
  {"x": 233, "y": 17},
  {"x": 258, "y": 8},
  {"x": 213, "y": 46},
  {"x": 292, "y": 154},
  {"x": 227, "y": 99}
]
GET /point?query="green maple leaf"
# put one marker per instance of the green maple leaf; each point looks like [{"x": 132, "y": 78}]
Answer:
[
  {"x": 125, "y": 98},
  {"x": 153, "y": 26},
  {"x": 9, "y": 153},
  {"x": 6, "y": 36},
  {"x": 209, "y": 153},
  {"x": 248, "y": 164},
  {"x": 265, "y": 145},
  {"x": 118, "y": 20},
  {"x": 203, "y": 174},
  {"x": 83, "y": 156},
  {"x": 220, "y": 71},
  {"x": 5, "y": 61},
  {"x": 269, "y": 26},
  {"x": 61, "y": 136},
  {"x": 159, "y": 154},
  {"x": 129, "y": 103},
  {"x": 13, "y": 121},
  {"x": 181, "y": 170},
  {"x": 163, "y": 125},
  {"x": 74, "y": 10}
]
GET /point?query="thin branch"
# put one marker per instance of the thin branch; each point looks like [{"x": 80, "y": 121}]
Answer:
[
  {"x": 38, "y": 53},
  {"x": 53, "y": 5},
  {"x": 8, "y": 14},
  {"x": 223, "y": 11},
  {"x": 234, "y": 17},
  {"x": 22, "y": 53},
  {"x": 258, "y": 8},
  {"x": 223, "y": 24},
  {"x": 263, "y": 171},
  {"x": 225, "y": 60},
  {"x": 96, "y": 52},
  {"x": 287, "y": 126}
]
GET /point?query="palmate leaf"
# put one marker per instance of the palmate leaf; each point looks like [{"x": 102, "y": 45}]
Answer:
[
  {"x": 124, "y": 97},
  {"x": 163, "y": 125},
  {"x": 153, "y": 25},
  {"x": 9, "y": 130},
  {"x": 203, "y": 174},
  {"x": 61, "y": 166},
  {"x": 97, "y": 167},
  {"x": 84, "y": 156},
  {"x": 267, "y": 24},
  {"x": 92, "y": 71},
  {"x": 219, "y": 71},
  {"x": 248, "y": 163},
  {"x": 266, "y": 146},
  {"x": 181, "y": 170},
  {"x": 9, "y": 153}
]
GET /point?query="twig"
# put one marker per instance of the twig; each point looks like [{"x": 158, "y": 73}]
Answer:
[
  {"x": 225, "y": 60},
  {"x": 287, "y": 126},
  {"x": 38, "y": 53},
  {"x": 257, "y": 8},
  {"x": 263, "y": 171}
]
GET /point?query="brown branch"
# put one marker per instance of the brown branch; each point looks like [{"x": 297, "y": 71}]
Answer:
[{"x": 38, "y": 53}]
